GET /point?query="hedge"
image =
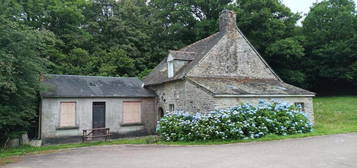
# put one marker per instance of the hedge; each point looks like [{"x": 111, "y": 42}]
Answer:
[{"x": 244, "y": 121}]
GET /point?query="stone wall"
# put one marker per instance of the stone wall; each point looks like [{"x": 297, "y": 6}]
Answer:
[
  {"x": 171, "y": 93},
  {"x": 188, "y": 96},
  {"x": 50, "y": 109},
  {"x": 185, "y": 96},
  {"x": 198, "y": 100}
]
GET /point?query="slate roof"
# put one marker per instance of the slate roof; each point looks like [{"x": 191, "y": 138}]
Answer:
[
  {"x": 200, "y": 48},
  {"x": 93, "y": 86},
  {"x": 193, "y": 53},
  {"x": 247, "y": 86},
  {"x": 182, "y": 55}
]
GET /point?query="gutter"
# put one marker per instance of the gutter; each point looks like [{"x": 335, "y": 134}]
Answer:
[
  {"x": 119, "y": 97},
  {"x": 164, "y": 82},
  {"x": 229, "y": 95}
]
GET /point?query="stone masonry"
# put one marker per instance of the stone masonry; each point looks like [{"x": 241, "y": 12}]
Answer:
[{"x": 220, "y": 71}]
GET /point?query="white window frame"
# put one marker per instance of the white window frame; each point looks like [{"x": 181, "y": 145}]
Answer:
[{"x": 170, "y": 69}]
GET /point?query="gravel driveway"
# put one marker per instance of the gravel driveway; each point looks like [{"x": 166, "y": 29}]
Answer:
[{"x": 334, "y": 151}]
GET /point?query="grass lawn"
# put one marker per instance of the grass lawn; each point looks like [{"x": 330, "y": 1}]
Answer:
[{"x": 333, "y": 115}]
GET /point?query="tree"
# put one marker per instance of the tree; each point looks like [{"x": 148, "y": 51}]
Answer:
[
  {"x": 331, "y": 41},
  {"x": 116, "y": 62},
  {"x": 289, "y": 54},
  {"x": 265, "y": 21},
  {"x": 20, "y": 66},
  {"x": 188, "y": 21}
]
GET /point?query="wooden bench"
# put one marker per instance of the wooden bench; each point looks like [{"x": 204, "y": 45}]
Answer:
[{"x": 96, "y": 133}]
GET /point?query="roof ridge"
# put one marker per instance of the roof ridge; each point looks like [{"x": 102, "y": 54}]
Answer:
[
  {"x": 182, "y": 51},
  {"x": 230, "y": 77},
  {"x": 206, "y": 38},
  {"x": 244, "y": 86}
]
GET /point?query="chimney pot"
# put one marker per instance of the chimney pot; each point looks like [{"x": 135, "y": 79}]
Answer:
[{"x": 227, "y": 21}]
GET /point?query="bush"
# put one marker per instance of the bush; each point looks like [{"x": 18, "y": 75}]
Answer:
[{"x": 241, "y": 122}]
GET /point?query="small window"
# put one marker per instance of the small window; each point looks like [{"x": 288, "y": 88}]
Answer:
[
  {"x": 132, "y": 113},
  {"x": 301, "y": 106},
  {"x": 161, "y": 113},
  {"x": 68, "y": 114},
  {"x": 170, "y": 69},
  {"x": 171, "y": 107}
]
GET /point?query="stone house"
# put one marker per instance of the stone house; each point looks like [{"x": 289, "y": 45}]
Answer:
[
  {"x": 72, "y": 103},
  {"x": 222, "y": 70}
]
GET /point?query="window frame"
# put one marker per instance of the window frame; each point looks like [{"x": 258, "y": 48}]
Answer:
[
  {"x": 171, "y": 108},
  {"x": 302, "y": 109},
  {"x": 170, "y": 69},
  {"x": 75, "y": 126},
  {"x": 123, "y": 123}
]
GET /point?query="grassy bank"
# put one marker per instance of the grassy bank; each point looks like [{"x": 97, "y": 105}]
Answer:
[
  {"x": 333, "y": 115},
  {"x": 26, "y": 148},
  {"x": 10, "y": 155}
]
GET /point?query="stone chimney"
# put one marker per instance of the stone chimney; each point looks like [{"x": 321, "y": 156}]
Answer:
[{"x": 227, "y": 21}]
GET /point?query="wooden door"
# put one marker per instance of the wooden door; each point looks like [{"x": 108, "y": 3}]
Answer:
[{"x": 98, "y": 114}]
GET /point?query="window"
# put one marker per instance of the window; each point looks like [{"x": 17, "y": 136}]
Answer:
[
  {"x": 170, "y": 69},
  {"x": 171, "y": 107},
  {"x": 300, "y": 105},
  {"x": 132, "y": 112},
  {"x": 68, "y": 114},
  {"x": 161, "y": 113}
]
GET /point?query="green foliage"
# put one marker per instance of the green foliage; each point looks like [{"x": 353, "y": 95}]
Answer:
[
  {"x": 289, "y": 55},
  {"x": 139, "y": 34},
  {"x": 188, "y": 21},
  {"x": 265, "y": 21},
  {"x": 240, "y": 122},
  {"x": 352, "y": 74},
  {"x": 331, "y": 32},
  {"x": 21, "y": 63},
  {"x": 117, "y": 62}
]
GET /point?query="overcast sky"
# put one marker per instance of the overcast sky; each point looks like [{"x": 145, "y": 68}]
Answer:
[{"x": 301, "y": 5}]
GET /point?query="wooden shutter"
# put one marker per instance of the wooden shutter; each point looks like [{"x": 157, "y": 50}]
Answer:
[
  {"x": 132, "y": 112},
  {"x": 68, "y": 114}
]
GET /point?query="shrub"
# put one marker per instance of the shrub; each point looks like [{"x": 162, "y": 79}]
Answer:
[{"x": 241, "y": 122}]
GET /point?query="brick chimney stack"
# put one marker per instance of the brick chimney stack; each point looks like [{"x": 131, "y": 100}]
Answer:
[{"x": 227, "y": 21}]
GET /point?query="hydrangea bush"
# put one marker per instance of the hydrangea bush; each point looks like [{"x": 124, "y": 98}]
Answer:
[{"x": 241, "y": 122}]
